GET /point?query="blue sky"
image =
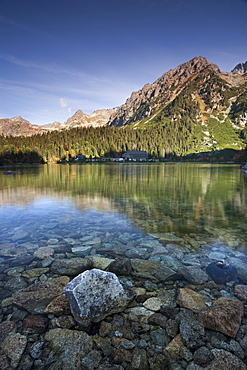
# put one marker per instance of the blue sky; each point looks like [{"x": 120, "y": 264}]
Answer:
[{"x": 60, "y": 56}]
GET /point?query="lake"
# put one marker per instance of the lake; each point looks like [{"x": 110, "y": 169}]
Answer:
[
  {"x": 174, "y": 234},
  {"x": 199, "y": 201}
]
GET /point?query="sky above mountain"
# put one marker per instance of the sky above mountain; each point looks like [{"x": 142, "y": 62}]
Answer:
[{"x": 60, "y": 56}]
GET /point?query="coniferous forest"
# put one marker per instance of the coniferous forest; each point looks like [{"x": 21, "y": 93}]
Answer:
[
  {"x": 166, "y": 141},
  {"x": 102, "y": 142}
]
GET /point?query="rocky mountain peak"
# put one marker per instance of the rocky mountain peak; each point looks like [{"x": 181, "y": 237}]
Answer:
[
  {"x": 240, "y": 68},
  {"x": 19, "y": 119},
  {"x": 79, "y": 115},
  {"x": 195, "y": 86},
  {"x": 97, "y": 118},
  {"x": 18, "y": 126},
  {"x": 142, "y": 103}
]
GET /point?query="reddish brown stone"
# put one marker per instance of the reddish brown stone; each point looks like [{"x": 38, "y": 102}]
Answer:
[
  {"x": 35, "y": 324},
  {"x": 224, "y": 316},
  {"x": 58, "y": 306},
  {"x": 240, "y": 291},
  {"x": 37, "y": 296}
]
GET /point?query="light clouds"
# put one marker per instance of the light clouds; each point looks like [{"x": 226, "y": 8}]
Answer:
[
  {"x": 42, "y": 103},
  {"x": 53, "y": 68},
  {"x": 63, "y": 103},
  {"x": 55, "y": 91}
]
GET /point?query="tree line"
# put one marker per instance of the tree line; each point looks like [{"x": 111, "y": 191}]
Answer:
[
  {"x": 161, "y": 141},
  {"x": 165, "y": 138}
]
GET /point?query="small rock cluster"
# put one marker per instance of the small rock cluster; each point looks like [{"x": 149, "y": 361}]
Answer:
[{"x": 171, "y": 313}]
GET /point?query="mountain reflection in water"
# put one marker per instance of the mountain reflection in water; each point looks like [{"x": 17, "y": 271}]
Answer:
[{"x": 157, "y": 198}]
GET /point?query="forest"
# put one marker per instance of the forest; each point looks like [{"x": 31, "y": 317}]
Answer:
[
  {"x": 164, "y": 139},
  {"x": 102, "y": 142}
]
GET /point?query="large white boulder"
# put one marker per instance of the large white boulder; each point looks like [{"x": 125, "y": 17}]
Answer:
[{"x": 95, "y": 294}]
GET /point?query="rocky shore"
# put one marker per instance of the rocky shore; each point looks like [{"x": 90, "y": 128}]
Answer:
[{"x": 178, "y": 318}]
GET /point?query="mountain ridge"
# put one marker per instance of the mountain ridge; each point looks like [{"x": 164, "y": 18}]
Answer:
[
  {"x": 240, "y": 68},
  {"x": 18, "y": 126},
  {"x": 144, "y": 102},
  {"x": 191, "y": 91}
]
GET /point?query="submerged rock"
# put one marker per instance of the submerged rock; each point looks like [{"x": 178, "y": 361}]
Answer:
[
  {"x": 94, "y": 294},
  {"x": 37, "y": 296},
  {"x": 224, "y": 316},
  {"x": 72, "y": 266},
  {"x": 241, "y": 268},
  {"x": 13, "y": 347},
  {"x": 19, "y": 234},
  {"x": 222, "y": 360},
  {"x": 101, "y": 263},
  {"x": 44, "y": 252},
  {"x": 192, "y": 332},
  {"x": 187, "y": 298},
  {"x": 34, "y": 324},
  {"x": 240, "y": 291},
  {"x": 121, "y": 266},
  {"x": 69, "y": 347},
  {"x": 164, "y": 273},
  {"x": 193, "y": 274},
  {"x": 221, "y": 272}
]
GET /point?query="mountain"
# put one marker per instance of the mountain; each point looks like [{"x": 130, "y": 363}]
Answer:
[
  {"x": 81, "y": 119},
  {"x": 17, "y": 126},
  {"x": 203, "y": 83},
  {"x": 240, "y": 68},
  {"x": 195, "y": 100}
]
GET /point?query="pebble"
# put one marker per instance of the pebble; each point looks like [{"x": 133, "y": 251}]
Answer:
[
  {"x": 193, "y": 274},
  {"x": 19, "y": 234},
  {"x": 52, "y": 241},
  {"x": 216, "y": 256},
  {"x": 153, "y": 304},
  {"x": 240, "y": 291},
  {"x": 187, "y": 298},
  {"x": 14, "y": 346},
  {"x": 179, "y": 319},
  {"x": 44, "y": 252},
  {"x": 34, "y": 324}
]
